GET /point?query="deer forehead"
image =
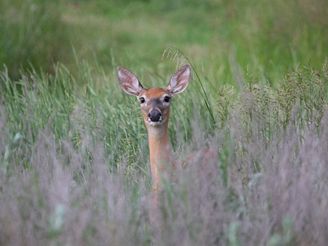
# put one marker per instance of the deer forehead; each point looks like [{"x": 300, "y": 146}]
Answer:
[{"x": 154, "y": 93}]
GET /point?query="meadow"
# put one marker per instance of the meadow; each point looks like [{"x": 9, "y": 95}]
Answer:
[{"x": 74, "y": 166}]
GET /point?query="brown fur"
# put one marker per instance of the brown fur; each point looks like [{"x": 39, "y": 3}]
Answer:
[{"x": 158, "y": 140}]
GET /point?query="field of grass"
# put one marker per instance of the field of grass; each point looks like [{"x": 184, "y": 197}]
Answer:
[{"x": 74, "y": 166}]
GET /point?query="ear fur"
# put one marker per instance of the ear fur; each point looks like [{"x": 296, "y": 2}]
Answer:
[
  {"x": 129, "y": 82},
  {"x": 180, "y": 80}
]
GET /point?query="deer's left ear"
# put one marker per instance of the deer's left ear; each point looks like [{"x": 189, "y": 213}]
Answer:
[{"x": 179, "y": 81}]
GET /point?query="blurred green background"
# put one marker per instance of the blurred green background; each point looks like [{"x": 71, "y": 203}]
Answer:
[{"x": 266, "y": 38}]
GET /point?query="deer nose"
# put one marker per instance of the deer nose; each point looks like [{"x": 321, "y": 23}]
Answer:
[{"x": 154, "y": 115}]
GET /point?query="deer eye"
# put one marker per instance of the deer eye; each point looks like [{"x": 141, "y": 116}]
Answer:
[
  {"x": 167, "y": 99},
  {"x": 142, "y": 99}
]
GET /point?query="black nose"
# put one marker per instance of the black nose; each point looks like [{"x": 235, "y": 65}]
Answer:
[{"x": 154, "y": 115}]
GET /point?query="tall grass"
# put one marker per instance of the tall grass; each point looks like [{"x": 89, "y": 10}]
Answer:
[{"x": 74, "y": 165}]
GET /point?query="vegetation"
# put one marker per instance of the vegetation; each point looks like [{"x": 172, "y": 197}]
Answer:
[{"x": 74, "y": 164}]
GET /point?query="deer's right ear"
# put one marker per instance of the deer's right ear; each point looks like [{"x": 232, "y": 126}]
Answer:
[{"x": 129, "y": 82}]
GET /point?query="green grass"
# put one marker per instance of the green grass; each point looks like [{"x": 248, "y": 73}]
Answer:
[
  {"x": 266, "y": 39},
  {"x": 32, "y": 36},
  {"x": 68, "y": 109}
]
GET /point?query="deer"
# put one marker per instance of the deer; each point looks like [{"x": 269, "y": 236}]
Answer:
[{"x": 155, "y": 108}]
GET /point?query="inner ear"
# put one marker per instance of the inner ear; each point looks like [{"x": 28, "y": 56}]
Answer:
[
  {"x": 129, "y": 82},
  {"x": 179, "y": 81}
]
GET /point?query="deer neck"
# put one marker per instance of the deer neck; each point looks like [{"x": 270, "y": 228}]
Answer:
[{"x": 159, "y": 152}]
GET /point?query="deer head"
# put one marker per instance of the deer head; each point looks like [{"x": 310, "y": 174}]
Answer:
[{"x": 154, "y": 102}]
